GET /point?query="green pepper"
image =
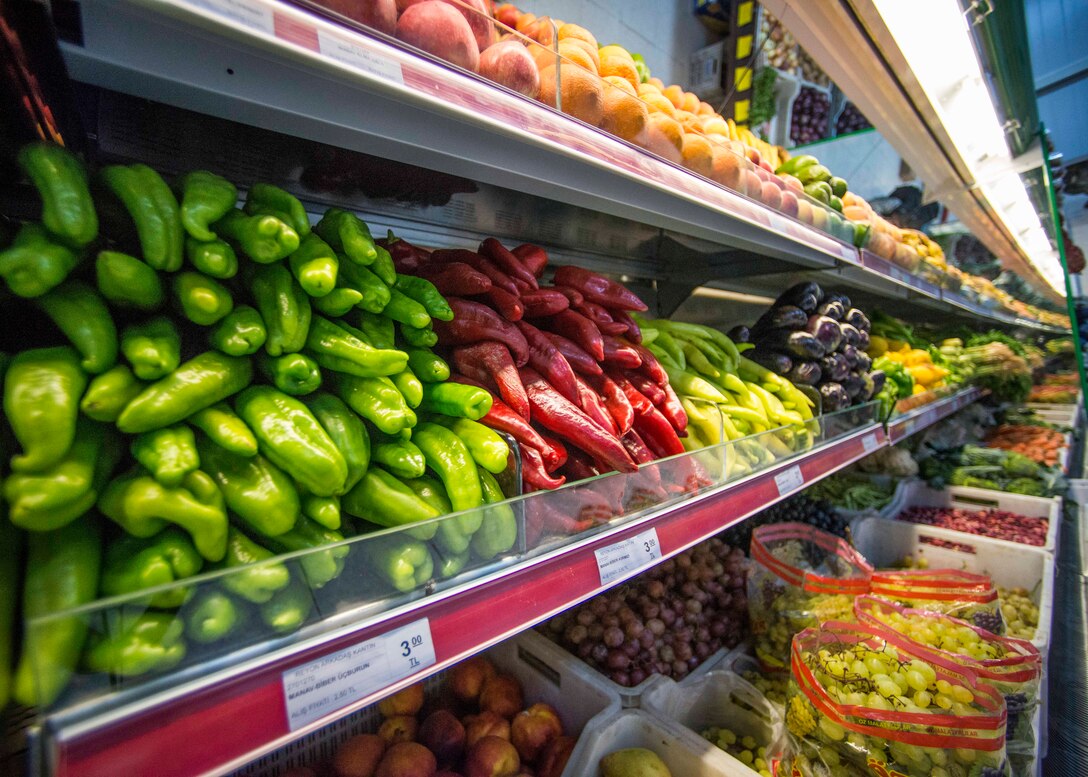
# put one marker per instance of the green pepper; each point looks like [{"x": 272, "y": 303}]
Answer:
[
  {"x": 169, "y": 454},
  {"x": 252, "y": 577},
  {"x": 264, "y": 239},
  {"x": 202, "y": 381},
  {"x": 346, "y": 430},
  {"x": 108, "y": 393},
  {"x": 225, "y": 429},
  {"x": 376, "y": 294},
  {"x": 456, "y": 400},
  {"x": 240, "y": 333},
  {"x": 348, "y": 233},
  {"x": 378, "y": 401},
  {"x": 338, "y": 302},
  {"x": 213, "y": 257},
  {"x": 410, "y": 387},
  {"x": 486, "y": 447},
  {"x": 52, "y": 498},
  {"x": 42, "y": 388},
  {"x": 205, "y": 198},
  {"x": 419, "y": 338},
  {"x": 324, "y": 510},
  {"x": 61, "y": 180},
  {"x": 451, "y": 461},
  {"x": 134, "y": 644},
  {"x": 289, "y": 609},
  {"x": 404, "y": 563},
  {"x": 137, "y": 563},
  {"x": 447, "y": 565},
  {"x": 255, "y": 490},
  {"x": 79, "y": 312},
  {"x": 154, "y": 211},
  {"x": 375, "y": 329},
  {"x": 499, "y": 530},
  {"x": 293, "y": 373},
  {"x": 61, "y": 574},
  {"x": 337, "y": 349},
  {"x": 401, "y": 457},
  {"x": 315, "y": 266},
  {"x": 427, "y": 366},
  {"x": 126, "y": 281},
  {"x": 153, "y": 348},
  {"x": 265, "y": 196},
  {"x": 292, "y": 439},
  {"x": 212, "y": 616},
  {"x": 10, "y": 558},
  {"x": 284, "y": 308},
  {"x": 406, "y": 310},
  {"x": 321, "y": 565},
  {"x": 143, "y": 507},
  {"x": 450, "y": 535},
  {"x": 425, "y": 293},
  {"x": 383, "y": 499},
  {"x": 33, "y": 264},
  {"x": 202, "y": 300},
  {"x": 383, "y": 266}
]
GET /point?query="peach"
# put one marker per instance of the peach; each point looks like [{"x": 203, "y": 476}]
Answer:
[
  {"x": 524, "y": 20},
  {"x": 407, "y": 759},
  {"x": 771, "y": 195},
  {"x": 477, "y": 15},
  {"x": 379, "y": 14},
  {"x": 819, "y": 217},
  {"x": 484, "y": 725},
  {"x": 664, "y": 139},
  {"x": 793, "y": 183},
  {"x": 440, "y": 29},
  {"x": 690, "y": 102},
  {"x": 789, "y": 204},
  {"x": 555, "y": 756},
  {"x": 728, "y": 169},
  {"x": 399, "y": 728},
  {"x": 804, "y": 210},
  {"x": 359, "y": 756},
  {"x": 507, "y": 14},
  {"x": 444, "y": 735},
  {"x": 466, "y": 679},
  {"x": 753, "y": 184},
  {"x": 541, "y": 30},
  {"x": 502, "y": 695},
  {"x": 753, "y": 155},
  {"x": 509, "y": 63},
  {"x": 492, "y": 757},
  {"x": 532, "y": 730},
  {"x": 406, "y": 701}
]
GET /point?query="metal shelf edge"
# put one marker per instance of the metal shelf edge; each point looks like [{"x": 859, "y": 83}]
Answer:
[{"x": 925, "y": 416}]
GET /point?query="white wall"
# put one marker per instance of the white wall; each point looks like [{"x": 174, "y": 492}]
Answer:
[{"x": 664, "y": 33}]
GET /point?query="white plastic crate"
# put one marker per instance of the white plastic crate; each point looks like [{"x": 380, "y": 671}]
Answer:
[
  {"x": 563, "y": 684},
  {"x": 918, "y": 494},
  {"x": 720, "y": 699},
  {"x": 1008, "y": 564},
  {"x": 684, "y": 753}
]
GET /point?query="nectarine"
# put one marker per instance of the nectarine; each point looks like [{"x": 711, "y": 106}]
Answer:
[
  {"x": 508, "y": 63},
  {"x": 440, "y": 29}
]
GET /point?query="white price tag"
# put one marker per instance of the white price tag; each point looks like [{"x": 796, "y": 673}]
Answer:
[
  {"x": 789, "y": 480},
  {"x": 350, "y": 53},
  {"x": 312, "y": 691},
  {"x": 868, "y": 442},
  {"x": 248, "y": 13},
  {"x": 634, "y": 553}
]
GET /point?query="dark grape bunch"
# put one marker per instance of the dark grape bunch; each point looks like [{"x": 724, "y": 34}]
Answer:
[
  {"x": 1015, "y": 703},
  {"x": 667, "y": 621},
  {"x": 800, "y": 508},
  {"x": 989, "y": 620}
]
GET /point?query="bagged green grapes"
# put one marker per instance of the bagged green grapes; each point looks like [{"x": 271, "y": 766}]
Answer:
[{"x": 965, "y": 595}]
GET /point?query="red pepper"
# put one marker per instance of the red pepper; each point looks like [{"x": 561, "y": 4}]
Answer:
[
  {"x": 637, "y": 447},
  {"x": 455, "y": 278},
  {"x": 552, "y": 411},
  {"x": 533, "y": 257},
  {"x": 602, "y": 318},
  {"x": 406, "y": 257},
  {"x": 658, "y": 434},
  {"x": 579, "y": 466},
  {"x": 634, "y": 334},
  {"x": 647, "y": 388},
  {"x": 494, "y": 360},
  {"x": 546, "y": 359},
  {"x": 533, "y": 472},
  {"x": 506, "y": 303},
  {"x": 638, "y": 400},
  {"x": 584, "y": 505},
  {"x": 573, "y": 295},
  {"x": 540, "y": 303},
  {"x": 651, "y": 366},
  {"x": 597, "y": 288},
  {"x": 558, "y": 455},
  {"x": 580, "y": 361},
  {"x": 477, "y": 262},
  {"x": 523, "y": 287},
  {"x": 593, "y": 407},
  {"x": 542, "y": 520},
  {"x": 474, "y": 322},
  {"x": 619, "y": 353},
  {"x": 506, "y": 261},
  {"x": 581, "y": 330},
  {"x": 674, "y": 411},
  {"x": 615, "y": 401}
]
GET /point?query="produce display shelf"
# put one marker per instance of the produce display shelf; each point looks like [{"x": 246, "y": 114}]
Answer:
[
  {"x": 902, "y": 426},
  {"x": 239, "y": 711}
]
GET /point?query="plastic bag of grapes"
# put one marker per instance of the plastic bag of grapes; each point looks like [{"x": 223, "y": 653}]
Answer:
[
  {"x": 800, "y": 577},
  {"x": 1012, "y": 666},
  {"x": 869, "y": 702},
  {"x": 965, "y": 595}
]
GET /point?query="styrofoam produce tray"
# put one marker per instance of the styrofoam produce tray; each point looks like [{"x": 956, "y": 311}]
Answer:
[
  {"x": 1009, "y": 565},
  {"x": 918, "y": 494}
]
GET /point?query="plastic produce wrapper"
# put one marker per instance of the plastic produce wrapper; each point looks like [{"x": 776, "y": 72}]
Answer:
[
  {"x": 965, "y": 595},
  {"x": 1015, "y": 668},
  {"x": 849, "y": 723},
  {"x": 800, "y": 577}
]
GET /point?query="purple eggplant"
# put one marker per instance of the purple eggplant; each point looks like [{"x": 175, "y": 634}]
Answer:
[
  {"x": 868, "y": 390},
  {"x": 799, "y": 344},
  {"x": 857, "y": 319},
  {"x": 805, "y": 295},
  {"x": 863, "y": 342},
  {"x": 826, "y": 330},
  {"x": 739, "y": 334},
  {"x": 850, "y": 334},
  {"x": 787, "y": 317},
  {"x": 834, "y": 367},
  {"x": 838, "y": 296},
  {"x": 853, "y": 384},
  {"x": 877, "y": 377},
  {"x": 864, "y": 362},
  {"x": 834, "y": 397},
  {"x": 805, "y": 373},
  {"x": 778, "y": 363},
  {"x": 831, "y": 308},
  {"x": 850, "y": 353}
]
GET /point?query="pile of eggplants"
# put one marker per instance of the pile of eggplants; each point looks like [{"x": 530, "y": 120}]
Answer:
[{"x": 817, "y": 341}]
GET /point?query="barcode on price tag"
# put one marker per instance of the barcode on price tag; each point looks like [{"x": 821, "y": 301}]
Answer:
[
  {"x": 350, "y": 53},
  {"x": 868, "y": 442},
  {"x": 622, "y": 557},
  {"x": 789, "y": 480},
  {"x": 254, "y": 15},
  {"x": 330, "y": 683}
]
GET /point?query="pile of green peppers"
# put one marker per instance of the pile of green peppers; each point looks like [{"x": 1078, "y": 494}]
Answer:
[{"x": 209, "y": 387}]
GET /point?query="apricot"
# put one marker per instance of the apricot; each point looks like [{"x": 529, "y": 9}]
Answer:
[
  {"x": 507, "y": 14},
  {"x": 576, "y": 52},
  {"x": 574, "y": 32},
  {"x": 440, "y": 29},
  {"x": 690, "y": 102},
  {"x": 580, "y": 92},
  {"x": 675, "y": 95},
  {"x": 625, "y": 115},
  {"x": 697, "y": 154},
  {"x": 406, "y": 701},
  {"x": 616, "y": 61},
  {"x": 399, "y": 728},
  {"x": 657, "y": 102}
]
